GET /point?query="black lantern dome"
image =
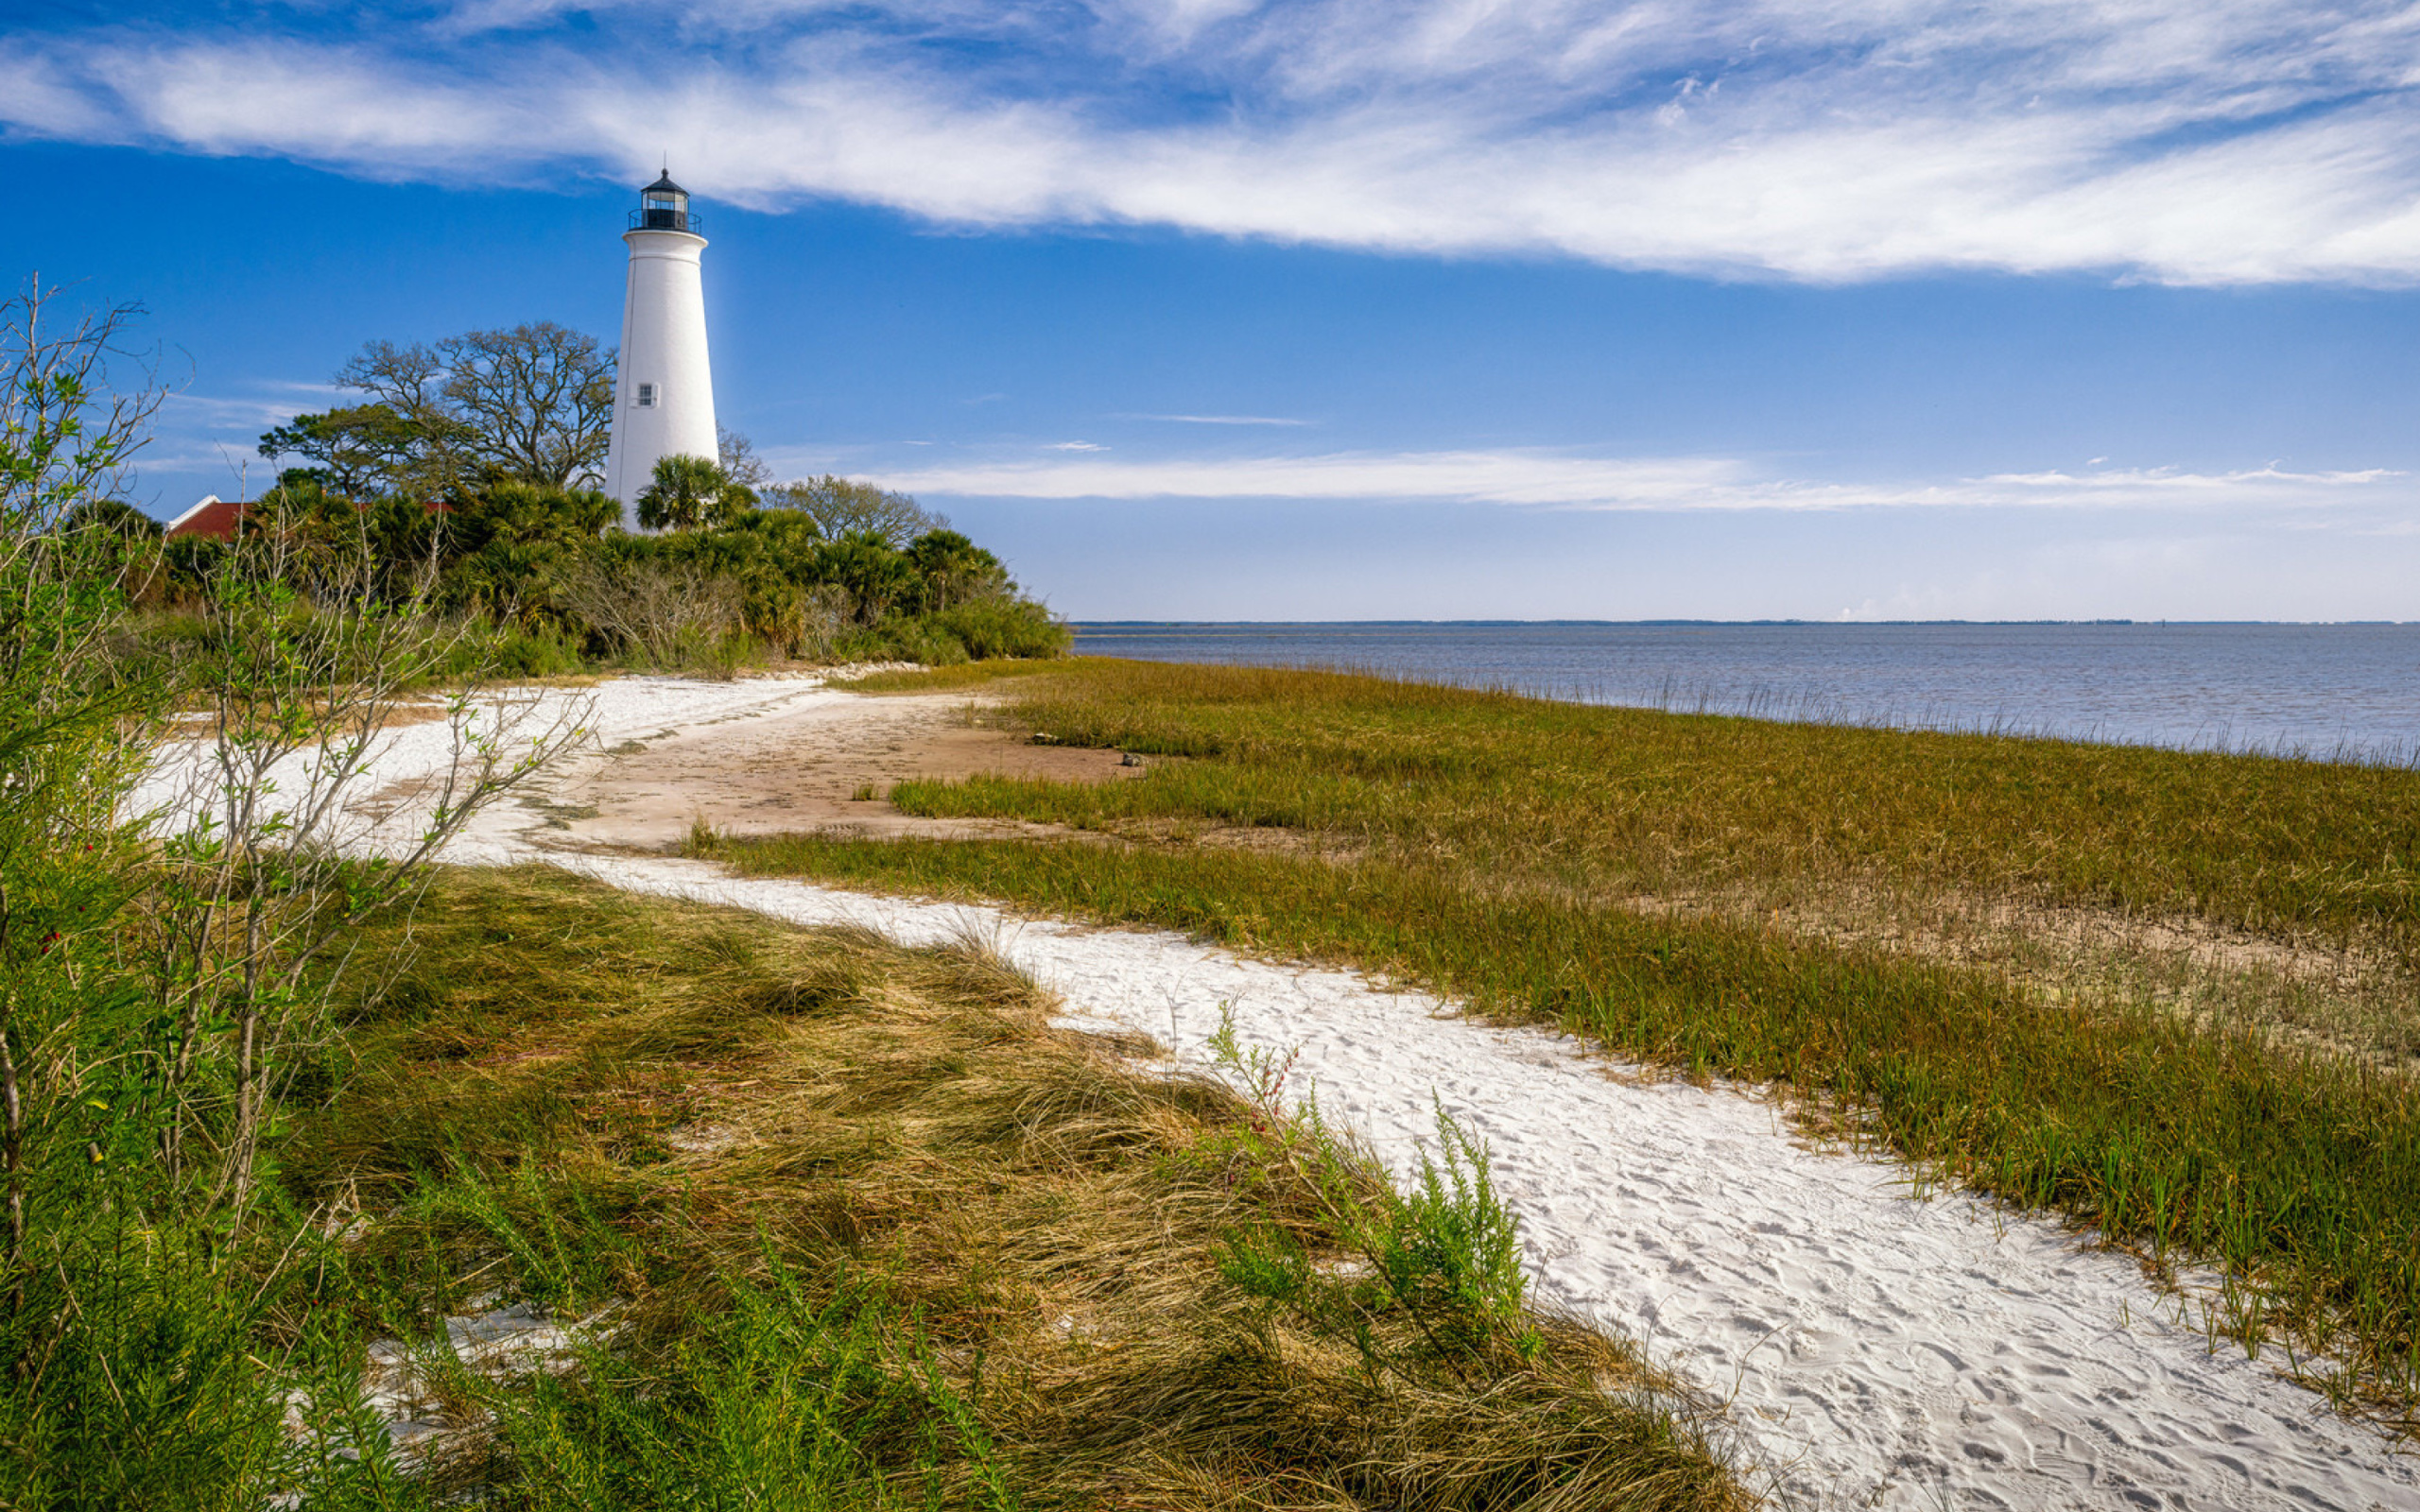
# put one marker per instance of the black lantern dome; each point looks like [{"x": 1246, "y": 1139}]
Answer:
[{"x": 663, "y": 206}]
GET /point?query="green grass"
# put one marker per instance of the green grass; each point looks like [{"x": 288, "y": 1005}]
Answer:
[
  {"x": 1491, "y": 844},
  {"x": 1598, "y": 796},
  {"x": 861, "y": 1231},
  {"x": 945, "y": 680}
]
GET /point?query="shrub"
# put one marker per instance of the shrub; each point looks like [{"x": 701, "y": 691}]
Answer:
[
  {"x": 657, "y": 611},
  {"x": 902, "y": 640},
  {"x": 1006, "y": 627},
  {"x": 954, "y": 570},
  {"x": 542, "y": 651},
  {"x": 877, "y": 576},
  {"x": 690, "y": 493}
]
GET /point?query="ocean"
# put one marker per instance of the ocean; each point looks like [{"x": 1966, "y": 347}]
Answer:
[{"x": 2335, "y": 692}]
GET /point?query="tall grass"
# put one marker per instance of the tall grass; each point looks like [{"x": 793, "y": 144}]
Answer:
[
  {"x": 845, "y": 1226},
  {"x": 1495, "y": 845},
  {"x": 1602, "y": 796}
]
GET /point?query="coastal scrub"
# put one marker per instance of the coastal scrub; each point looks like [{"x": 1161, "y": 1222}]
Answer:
[{"x": 801, "y": 1218}]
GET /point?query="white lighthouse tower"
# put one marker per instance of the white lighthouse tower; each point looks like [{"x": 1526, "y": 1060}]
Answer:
[{"x": 664, "y": 396}]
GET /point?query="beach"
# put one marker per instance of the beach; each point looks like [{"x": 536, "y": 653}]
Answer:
[{"x": 1876, "y": 1345}]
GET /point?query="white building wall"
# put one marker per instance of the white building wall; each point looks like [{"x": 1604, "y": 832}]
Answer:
[{"x": 663, "y": 343}]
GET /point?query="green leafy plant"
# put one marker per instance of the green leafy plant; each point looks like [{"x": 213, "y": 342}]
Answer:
[
  {"x": 1444, "y": 1256},
  {"x": 690, "y": 493}
]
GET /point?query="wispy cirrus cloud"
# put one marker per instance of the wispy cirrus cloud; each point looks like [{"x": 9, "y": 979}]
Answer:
[
  {"x": 240, "y": 412},
  {"x": 2198, "y": 141},
  {"x": 1219, "y": 420},
  {"x": 1565, "y": 480}
]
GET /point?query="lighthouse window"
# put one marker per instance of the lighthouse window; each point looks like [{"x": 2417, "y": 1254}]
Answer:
[{"x": 647, "y": 396}]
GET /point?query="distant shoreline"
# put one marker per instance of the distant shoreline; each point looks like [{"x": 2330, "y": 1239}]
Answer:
[
  {"x": 1084, "y": 628},
  {"x": 2343, "y": 691}
]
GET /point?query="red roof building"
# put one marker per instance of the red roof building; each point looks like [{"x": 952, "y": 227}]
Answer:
[
  {"x": 213, "y": 517},
  {"x": 219, "y": 518}
]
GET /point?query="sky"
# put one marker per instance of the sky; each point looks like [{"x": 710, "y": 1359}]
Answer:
[{"x": 1325, "y": 309}]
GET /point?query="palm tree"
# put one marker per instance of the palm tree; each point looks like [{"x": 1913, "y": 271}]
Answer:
[{"x": 690, "y": 493}]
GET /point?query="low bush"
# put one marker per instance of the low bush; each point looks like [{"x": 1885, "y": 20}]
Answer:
[
  {"x": 996, "y": 628},
  {"x": 535, "y": 652}
]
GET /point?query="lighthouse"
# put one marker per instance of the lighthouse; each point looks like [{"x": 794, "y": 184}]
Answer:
[{"x": 664, "y": 396}]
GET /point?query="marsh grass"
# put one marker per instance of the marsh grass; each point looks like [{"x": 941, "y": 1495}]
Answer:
[
  {"x": 1513, "y": 853},
  {"x": 2262, "y": 843},
  {"x": 857, "y": 1228},
  {"x": 2269, "y": 890},
  {"x": 943, "y": 680}
]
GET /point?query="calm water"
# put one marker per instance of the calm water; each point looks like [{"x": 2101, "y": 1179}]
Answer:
[{"x": 2325, "y": 690}]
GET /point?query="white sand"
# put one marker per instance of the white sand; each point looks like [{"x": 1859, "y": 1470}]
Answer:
[
  {"x": 1886, "y": 1351},
  {"x": 502, "y": 1341}
]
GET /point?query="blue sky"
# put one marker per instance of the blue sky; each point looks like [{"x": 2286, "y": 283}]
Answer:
[{"x": 1446, "y": 308}]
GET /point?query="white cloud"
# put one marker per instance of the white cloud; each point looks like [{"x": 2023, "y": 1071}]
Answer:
[
  {"x": 2208, "y": 141},
  {"x": 1219, "y": 420},
  {"x": 319, "y": 104},
  {"x": 37, "y": 94},
  {"x": 254, "y": 413},
  {"x": 1565, "y": 480}
]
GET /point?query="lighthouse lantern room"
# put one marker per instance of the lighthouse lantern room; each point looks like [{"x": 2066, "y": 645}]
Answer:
[
  {"x": 663, "y": 206},
  {"x": 663, "y": 398}
]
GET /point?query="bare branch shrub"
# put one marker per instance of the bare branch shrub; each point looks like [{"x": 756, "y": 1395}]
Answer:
[
  {"x": 71, "y": 738},
  {"x": 271, "y": 854},
  {"x": 663, "y": 614}
]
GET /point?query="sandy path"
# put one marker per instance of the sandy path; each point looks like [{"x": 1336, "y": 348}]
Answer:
[
  {"x": 1886, "y": 1351},
  {"x": 800, "y": 765}
]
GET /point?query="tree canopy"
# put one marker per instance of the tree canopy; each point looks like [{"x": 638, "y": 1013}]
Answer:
[
  {"x": 531, "y": 404},
  {"x": 359, "y": 452},
  {"x": 467, "y": 472},
  {"x": 840, "y": 506}
]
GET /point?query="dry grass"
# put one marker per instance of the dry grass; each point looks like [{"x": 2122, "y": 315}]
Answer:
[
  {"x": 709, "y": 1121},
  {"x": 2305, "y": 993}
]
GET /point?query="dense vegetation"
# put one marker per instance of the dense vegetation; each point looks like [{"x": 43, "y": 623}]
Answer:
[
  {"x": 465, "y": 483},
  {"x": 1697, "y": 891}
]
